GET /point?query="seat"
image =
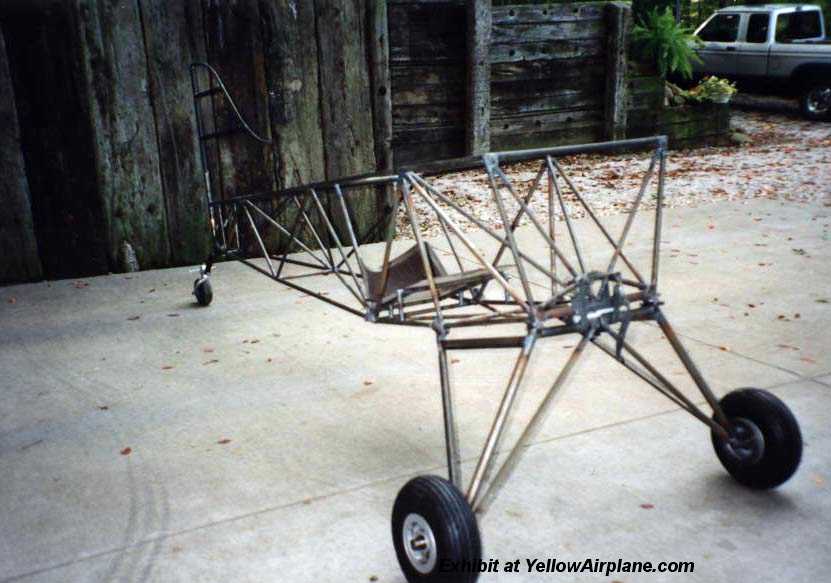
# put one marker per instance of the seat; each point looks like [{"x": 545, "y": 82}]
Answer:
[{"x": 406, "y": 273}]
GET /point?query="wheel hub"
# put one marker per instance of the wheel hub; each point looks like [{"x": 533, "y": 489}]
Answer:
[
  {"x": 419, "y": 543},
  {"x": 746, "y": 443},
  {"x": 819, "y": 100}
]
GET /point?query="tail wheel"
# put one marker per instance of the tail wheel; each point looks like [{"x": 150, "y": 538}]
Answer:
[
  {"x": 765, "y": 444},
  {"x": 435, "y": 533},
  {"x": 203, "y": 291}
]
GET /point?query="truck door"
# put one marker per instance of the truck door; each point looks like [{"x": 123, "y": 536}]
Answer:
[
  {"x": 720, "y": 35},
  {"x": 752, "y": 51}
]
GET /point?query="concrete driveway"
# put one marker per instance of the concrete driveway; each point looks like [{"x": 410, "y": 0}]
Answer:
[{"x": 264, "y": 439}]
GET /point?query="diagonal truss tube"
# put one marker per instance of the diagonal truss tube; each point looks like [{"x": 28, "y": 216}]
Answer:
[
  {"x": 323, "y": 265},
  {"x": 596, "y": 220},
  {"x": 566, "y": 218},
  {"x": 295, "y": 225},
  {"x": 327, "y": 254},
  {"x": 482, "y": 499},
  {"x": 654, "y": 378},
  {"x": 486, "y": 460},
  {"x": 283, "y": 230},
  {"x": 260, "y": 241},
  {"x": 470, "y": 246},
  {"x": 358, "y": 288},
  {"x": 417, "y": 180},
  {"x": 454, "y": 458},
  {"x": 632, "y": 214},
  {"x": 689, "y": 364},
  {"x": 428, "y": 270},
  {"x": 524, "y": 208},
  {"x": 509, "y": 232},
  {"x": 352, "y": 237}
]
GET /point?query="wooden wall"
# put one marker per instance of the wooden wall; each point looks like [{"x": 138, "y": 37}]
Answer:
[
  {"x": 548, "y": 74},
  {"x": 427, "y": 64},
  {"x": 107, "y": 151},
  {"x": 549, "y": 70}
]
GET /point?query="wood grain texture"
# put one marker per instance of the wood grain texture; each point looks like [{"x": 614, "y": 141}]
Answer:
[
  {"x": 125, "y": 145},
  {"x": 18, "y": 245},
  {"x": 234, "y": 47},
  {"x": 478, "y": 77},
  {"x": 618, "y": 23},
  {"x": 172, "y": 43},
  {"x": 57, "y": 137},
  {"x": 346, "y": 102}
]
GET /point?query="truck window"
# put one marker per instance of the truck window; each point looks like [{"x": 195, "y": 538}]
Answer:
[
  {"x": 797, "y": 26},
  {"x": 757, "y": 28},
  {"x": 724, "y": 28}
]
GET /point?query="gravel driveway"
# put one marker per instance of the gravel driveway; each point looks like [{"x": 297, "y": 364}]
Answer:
[{"x": 782, "y": 157}]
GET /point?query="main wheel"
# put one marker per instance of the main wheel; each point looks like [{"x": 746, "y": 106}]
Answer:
[
  {"x": 765, "y": 444},
  {"x": 435, "y": 533},
  {"x": 203, "y": 291},
  {"x": 815, "y": 102}
]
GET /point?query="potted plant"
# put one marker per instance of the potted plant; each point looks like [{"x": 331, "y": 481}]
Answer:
[
  {"x": 713, "y": 89},
  {"x": 670, "y": 45}
]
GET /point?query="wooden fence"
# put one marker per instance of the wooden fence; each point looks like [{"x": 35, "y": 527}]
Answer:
[
  {"x": 102, "y": 150},
  {"x": 106, "y": 125}
]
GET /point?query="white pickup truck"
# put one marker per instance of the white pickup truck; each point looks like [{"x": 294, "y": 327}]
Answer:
[{"x": 780, "y": 47}]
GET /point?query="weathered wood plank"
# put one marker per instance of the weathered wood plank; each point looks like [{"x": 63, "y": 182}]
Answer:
[
  {"x": 173, "y": 43},
  {"x": 429, "y": 94},
  {"x": 407, "y": 75},
  {"x": 521, "y": 89},
  {"x": 427, "y": 33},
  {"x": 441, "y": 114},
  {"x": 561, "y": 101},
  {"x": 544, "y": 123},
  {"x": 478, "y": 28},
  {"x": 125, "y": 146},
  {"x": 555, "y": 70},
  {"x": 618, "y": 20},
  {"x": 428, "y": 134},
  {"x": 580, "y": 134},
  {"x": 528, "y": 33},
  {"x": 234, "y": 46},
  {"x": 546, "y": 13},
  {"x": 56, "y": 134},
  {"x": 381, "y": 84},
  {"x": 18, "y": 244},
  {"x": 416, "y": 152},
  {"x": 346, "y": 100},
  {"x": 558, "y": 49}
]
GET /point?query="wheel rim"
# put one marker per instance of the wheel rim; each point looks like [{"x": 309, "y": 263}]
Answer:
[
  {"x": 819, "y": 100},
  {"x": 419, "y": 543},
  {"x": 746, "y": 443}
]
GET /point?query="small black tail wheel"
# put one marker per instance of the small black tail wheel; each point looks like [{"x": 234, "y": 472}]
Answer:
[
  {"x": 435, "y": 533},
  {"x": 203, "y": 291},
  {"x": 765, "y": 444}
]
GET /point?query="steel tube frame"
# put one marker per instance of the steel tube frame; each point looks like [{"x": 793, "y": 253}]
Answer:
[{"x": 565, "y": 312}]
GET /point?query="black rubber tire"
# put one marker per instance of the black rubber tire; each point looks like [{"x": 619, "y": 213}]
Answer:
[
  {"x": 203, "y": 291},
  {"x": 803, "y": 102},
  {"x": 782, "y": 439},
  {"x": 453, "y": 524}
]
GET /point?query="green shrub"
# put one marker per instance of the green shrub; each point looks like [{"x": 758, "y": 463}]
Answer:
[{"x": 669, "y": 44}]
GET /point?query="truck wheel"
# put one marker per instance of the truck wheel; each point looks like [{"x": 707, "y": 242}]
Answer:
[{"x": 816, "y": 101}]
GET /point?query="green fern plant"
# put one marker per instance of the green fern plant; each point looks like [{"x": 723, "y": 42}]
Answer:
[{"x": 669, "y": 44}]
